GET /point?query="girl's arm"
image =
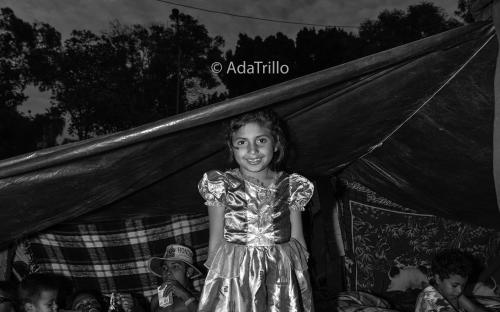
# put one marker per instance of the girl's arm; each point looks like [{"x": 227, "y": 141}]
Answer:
[
  {"x": 297, "y": 232},
  {"x": 216, "y": 228}
]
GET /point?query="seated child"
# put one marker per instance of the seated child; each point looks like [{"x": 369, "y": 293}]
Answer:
[
  {"x": 176, "y": 269},
  {"x": 451, "y": 269},
  {"x": 38, "y": 293}
]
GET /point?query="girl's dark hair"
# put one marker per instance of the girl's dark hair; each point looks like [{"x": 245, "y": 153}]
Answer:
[
  {"x": 453, "y": 261},
  {"x": 266, "y": 118}
]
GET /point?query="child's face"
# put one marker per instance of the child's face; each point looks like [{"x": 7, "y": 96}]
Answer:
[
  {"x": 253, "y": 148},
  {"x": 47, "y": 302},
  {"x": 176, "y": 270},
  {"x": 451, "y": 287}
]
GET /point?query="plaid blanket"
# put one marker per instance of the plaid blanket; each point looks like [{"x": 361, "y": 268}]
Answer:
[{"x": 113, "y": 256}]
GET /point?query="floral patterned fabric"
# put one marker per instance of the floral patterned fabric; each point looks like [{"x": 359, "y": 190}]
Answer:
[
  {"x": 383, "y": 240},
  {"x": 430, "y": 300}
]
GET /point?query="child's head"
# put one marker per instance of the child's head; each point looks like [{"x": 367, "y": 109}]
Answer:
[
  {"x": 246, "y": 139},
  {"x": 451, "y": 269},
  {"x": 86, "y": 301},
  {"x": 38, "y": 293},
  {"x": 177, "y": 263}
]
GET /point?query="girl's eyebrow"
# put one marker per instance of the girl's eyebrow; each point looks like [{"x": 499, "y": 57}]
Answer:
[
  {"x": 257, "y": 136},
  {"x": 240, "y": 138}
]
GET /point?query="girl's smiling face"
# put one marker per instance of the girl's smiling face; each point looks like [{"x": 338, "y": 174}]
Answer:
[{"x": 253, "y": 149}]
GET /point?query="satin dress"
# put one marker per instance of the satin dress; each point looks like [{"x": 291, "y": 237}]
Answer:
[{"x": 258, "y": 266}]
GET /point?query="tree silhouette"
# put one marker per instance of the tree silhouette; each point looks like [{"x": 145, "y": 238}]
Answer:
[
  {"x": 313, "y": 50},
  {"x": 28, "y": 55},
  {"x": 127, "y": 76},
  {"x": 397, "y": 27},
  {"x": 324, "y": 48},
  {"x": 278, "y": 48},
  {"x": 464, "y": 11}
]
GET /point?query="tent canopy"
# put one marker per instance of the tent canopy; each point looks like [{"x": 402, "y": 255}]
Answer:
[{"x": 414, "y": 123}]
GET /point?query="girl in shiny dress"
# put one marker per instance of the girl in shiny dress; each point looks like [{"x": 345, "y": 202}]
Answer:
[{"x": 257, "y": 257}]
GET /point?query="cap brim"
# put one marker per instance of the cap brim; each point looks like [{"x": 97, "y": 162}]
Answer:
[{"x": 155, "y": 266}]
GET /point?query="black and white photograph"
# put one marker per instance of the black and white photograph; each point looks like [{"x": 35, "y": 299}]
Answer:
[{"x": 258, "y": 156}]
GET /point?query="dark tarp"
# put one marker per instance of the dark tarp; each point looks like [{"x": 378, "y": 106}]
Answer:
[{"x": 436, "y": 154}]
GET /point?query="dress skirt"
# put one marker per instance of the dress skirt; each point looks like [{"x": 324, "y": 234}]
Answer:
[{"x": 244, "y": 278}]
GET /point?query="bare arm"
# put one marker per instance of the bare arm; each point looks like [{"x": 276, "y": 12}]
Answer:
[
  {"x": 469, "y": 305},
  {"x": 192, "y": 306},
  {"x": 154, "y": 304},
  {"x": 216, "y": 228},
  {"x": 297, "y": 232}
]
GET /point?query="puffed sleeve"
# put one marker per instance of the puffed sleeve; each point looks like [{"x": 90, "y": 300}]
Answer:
[
  {"x": 212, "y": 188},
  {"x": 301, "y": 191}
]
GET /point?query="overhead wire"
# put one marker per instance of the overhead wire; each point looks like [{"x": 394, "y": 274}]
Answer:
[
  {"x": 254, "y": 17},
  {"x": 372, "y": 148}
]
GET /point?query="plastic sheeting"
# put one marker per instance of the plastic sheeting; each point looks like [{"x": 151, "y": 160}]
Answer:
[{"x": 435, "y": 157}]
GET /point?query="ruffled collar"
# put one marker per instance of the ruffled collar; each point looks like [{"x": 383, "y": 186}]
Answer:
[{"x": 236, "y": 172}]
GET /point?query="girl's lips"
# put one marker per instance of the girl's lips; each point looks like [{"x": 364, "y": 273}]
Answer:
[{"x": 254, "y": 161}]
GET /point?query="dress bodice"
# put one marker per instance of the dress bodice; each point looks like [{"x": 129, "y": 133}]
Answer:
[{"x": 256, "y": 215}]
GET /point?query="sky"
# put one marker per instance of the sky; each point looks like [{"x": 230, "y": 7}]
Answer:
[{"x": 95, "y": 15}]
